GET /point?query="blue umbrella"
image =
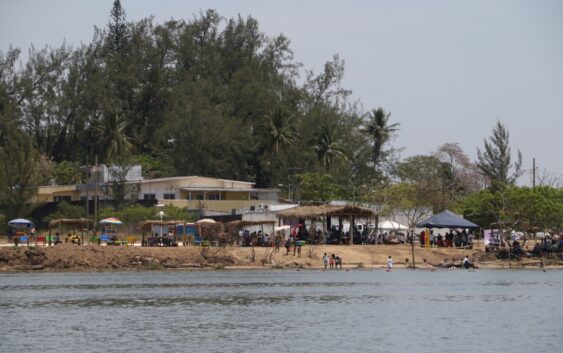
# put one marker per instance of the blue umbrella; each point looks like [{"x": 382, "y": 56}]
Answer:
[{"x": 20, "y": 223}]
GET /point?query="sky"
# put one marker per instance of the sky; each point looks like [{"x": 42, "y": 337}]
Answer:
[{"x": 446, "y": 70}]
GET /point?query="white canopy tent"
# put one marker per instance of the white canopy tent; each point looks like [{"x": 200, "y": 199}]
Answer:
[{"x": 390, "y": 225}]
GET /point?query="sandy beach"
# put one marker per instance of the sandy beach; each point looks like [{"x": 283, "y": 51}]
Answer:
[{"x": 69, "y": 257}]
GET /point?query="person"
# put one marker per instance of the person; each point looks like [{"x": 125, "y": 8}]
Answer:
[
  {"x": 389, "y": 263},
  {"x": 287, "y": 246},
  {"x": 298, "y": 244},
  {"x": 277, "y": 243},
  {"x": 332, "y": 261},
  {"x": 325, "y": 261},
  {"x": 466, "y": 263},
  {"x": 338, "y": 261},
  {"x": 432, "y": 239}
]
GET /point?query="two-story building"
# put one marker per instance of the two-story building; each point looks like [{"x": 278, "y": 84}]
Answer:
[{"x": 193, "y": 192}]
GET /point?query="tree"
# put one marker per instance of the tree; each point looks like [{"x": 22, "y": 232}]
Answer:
[
  {"x": 114, "y": 142},
  {"x": 18, "y": 162},
  {"x": 66, "y": 210},
  {"x": 425, "y": 174},
  {"x": 327, "y": 146},
  {"x": 277, "y": 130},
  {"x": 495, "y": 161},
  {"x": 118, "y": 34},
  {"x": 459, "y": 175},
  {"x": 523, "y": 208},
  {"x": 315, "y": 188},
  {"x": 380, "y": 131}
]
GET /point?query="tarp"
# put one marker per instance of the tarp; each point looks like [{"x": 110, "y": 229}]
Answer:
[
  {"x": 390, "y": 225},
  {"x": 446, "y": 219},
  {"x": 280, "y": 228}
]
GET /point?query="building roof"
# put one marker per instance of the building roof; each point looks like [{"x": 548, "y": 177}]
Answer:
[{"x": 202, "y": 188}]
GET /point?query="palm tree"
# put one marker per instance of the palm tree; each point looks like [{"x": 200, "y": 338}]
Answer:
[
  {"x": 327, "y": 146},
  {"x": 277, "y": 130},
  {"x": 380, "y": 132},
  {"x": 115, "y": 143}
]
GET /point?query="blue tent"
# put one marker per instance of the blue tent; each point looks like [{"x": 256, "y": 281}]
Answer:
[{"x": 446, "y": 219}]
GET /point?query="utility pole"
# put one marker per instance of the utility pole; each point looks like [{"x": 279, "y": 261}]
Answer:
[
  {"x": 96, "y": 174},
  {"x": 533, "y": 173}
]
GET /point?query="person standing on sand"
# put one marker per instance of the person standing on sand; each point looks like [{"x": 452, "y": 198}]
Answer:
[
  {"x": 331, "y": 261},
  {"x": 389, "y": 263},
  {"x": 338, "y": 261},
  {"x": 287, "y": 246},
  {"x": 325, "y": 261}
]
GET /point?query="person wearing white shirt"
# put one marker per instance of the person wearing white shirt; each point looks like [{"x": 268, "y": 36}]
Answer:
[{"x": 389, "y": 263}]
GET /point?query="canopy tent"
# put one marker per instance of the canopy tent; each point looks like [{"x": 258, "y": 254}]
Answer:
[
  {"x": 446, "y": 219},
  {"x": 281, "y": 228},
  {"x": 390, "y": 225}
]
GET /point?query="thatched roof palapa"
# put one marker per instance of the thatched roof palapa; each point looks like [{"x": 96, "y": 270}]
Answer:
[
  {"x": 148, "y": 224},
  {"x": 68, "y": 221},
  {"x": 309, "y": 212}
]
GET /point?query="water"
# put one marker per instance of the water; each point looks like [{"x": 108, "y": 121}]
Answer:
[{"x": 283, "y": 311}]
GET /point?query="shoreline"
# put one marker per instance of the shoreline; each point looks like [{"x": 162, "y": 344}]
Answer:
[{"x": 96, "y": 258}]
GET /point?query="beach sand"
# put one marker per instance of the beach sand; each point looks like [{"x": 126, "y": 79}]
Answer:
[{"x": 69, "y": 257}]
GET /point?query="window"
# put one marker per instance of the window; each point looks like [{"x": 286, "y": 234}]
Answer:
[
  {"x": 63, "y": 198},
  {"x": 149, "y": 196},
  {"x": 213, "y": 196},
  {"x": 169, "y": 196}
]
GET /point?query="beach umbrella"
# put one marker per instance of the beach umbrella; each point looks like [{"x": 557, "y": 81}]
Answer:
[
  {"x": 20, "y": 223},
  {"x": 111, "y": 221},
  {"x": 205, "y": 220}
]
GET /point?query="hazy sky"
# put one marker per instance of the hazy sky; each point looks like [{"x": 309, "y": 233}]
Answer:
[{"x": 446, "y": 70}]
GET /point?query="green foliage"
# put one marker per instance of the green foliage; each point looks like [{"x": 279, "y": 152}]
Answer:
[
  {"x": 494, "y": 161},
  {"x": 68, "y": 173},
  {"x": 136, "y": 214},
  {"x": 379, "y": 130},
  {"x": 425, "y": 175},
  {"x": 66, "y": 210},
  {"x": 177, "y": 214},
  {"x": 18, "y": 161},
  {"x": 159, "y": 166},
  {"x": 408, "y": 200},
  {"x": 316, "y": 188},
  {"x": 521, "y": 208}
]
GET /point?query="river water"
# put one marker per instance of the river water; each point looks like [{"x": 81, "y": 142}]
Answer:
[{"x": 283, "y": 311}]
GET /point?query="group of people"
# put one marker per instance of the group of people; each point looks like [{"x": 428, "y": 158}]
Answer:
[
  {"x": 294, "y": 243},
  {"x": 332, "y": 262},
  {"x": 459, "y": 239}
]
